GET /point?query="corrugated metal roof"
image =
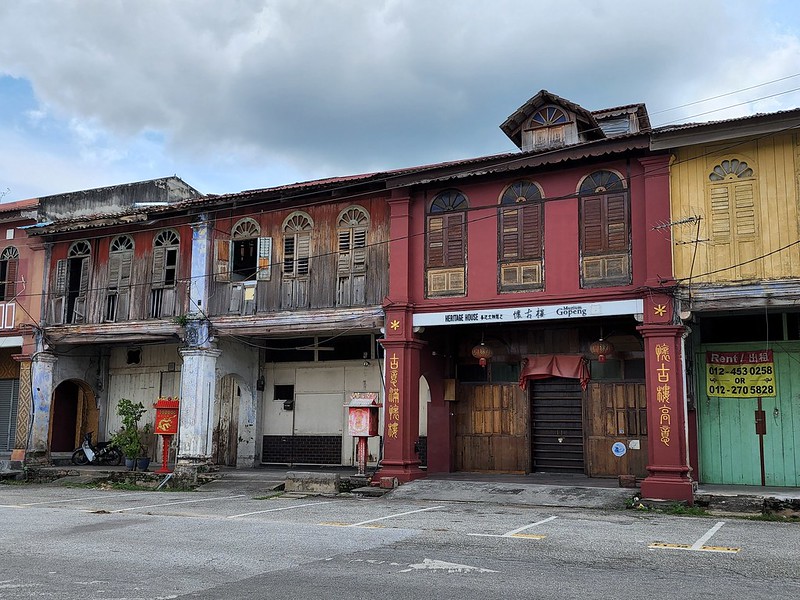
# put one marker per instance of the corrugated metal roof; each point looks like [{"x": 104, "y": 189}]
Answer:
[{"x": 748, "y": 118}]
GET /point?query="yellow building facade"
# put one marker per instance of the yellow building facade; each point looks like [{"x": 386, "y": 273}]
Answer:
[{"x": 735, "y": 228}]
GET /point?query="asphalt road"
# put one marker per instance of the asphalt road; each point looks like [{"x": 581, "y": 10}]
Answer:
[{"x": 69, "y": 543}]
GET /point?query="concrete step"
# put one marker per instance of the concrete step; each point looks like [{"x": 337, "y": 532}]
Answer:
[{"x": 369, "y": 492}]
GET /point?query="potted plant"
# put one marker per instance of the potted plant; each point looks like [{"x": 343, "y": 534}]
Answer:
[{"x": 130, "y": 439}]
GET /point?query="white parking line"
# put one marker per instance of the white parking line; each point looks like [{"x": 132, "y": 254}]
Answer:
[
  {"x": 180, "y": 502},
  {"x": 258, "y": 512},
  {"x": 516, "y": 532},
  {"x": 699, "y": 543},
  {"x": 411, "y": 512},
  {"x": 84, "y": 498}
]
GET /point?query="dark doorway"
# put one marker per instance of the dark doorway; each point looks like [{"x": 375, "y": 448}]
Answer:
[
  {"x": 73, "y": 414},
  {"x": 557, "y": 426}
]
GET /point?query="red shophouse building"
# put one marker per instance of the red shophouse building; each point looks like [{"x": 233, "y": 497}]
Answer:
[{"x": 530, "y": 306}]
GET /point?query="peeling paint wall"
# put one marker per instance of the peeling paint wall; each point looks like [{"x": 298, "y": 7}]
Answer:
[{"x": 241, "y": 361}]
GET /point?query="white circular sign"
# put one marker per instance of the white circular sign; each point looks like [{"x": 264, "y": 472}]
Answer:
[{"x": 619, "y": 449}]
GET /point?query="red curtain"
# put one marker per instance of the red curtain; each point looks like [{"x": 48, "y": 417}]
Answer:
[{"x": 542, "y": 366}]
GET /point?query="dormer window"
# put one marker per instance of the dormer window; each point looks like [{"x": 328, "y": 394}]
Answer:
[{"x": 549, "y": 127}]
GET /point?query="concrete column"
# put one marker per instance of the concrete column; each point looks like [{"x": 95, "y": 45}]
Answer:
[
  {"x": 198, "y": 385},
  {"x": 201, "y": 252},
  {"x": 42, "y": 367}
]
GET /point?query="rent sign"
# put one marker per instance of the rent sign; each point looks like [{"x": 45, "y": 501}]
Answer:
[{"x": 749, "y": 374}]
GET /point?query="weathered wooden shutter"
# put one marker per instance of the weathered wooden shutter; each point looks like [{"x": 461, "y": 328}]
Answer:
[
  {"x": 454, "y": 232},
  {"x": 159, "y": 256},
  {"x": 618, "y": 238},
  {"x": 510, "y": 233},
  {"x": 79, "y": 309},
  {"x": 592, "y": 225},
  {"x": 264, "y": 259},
  {"x": 58, "y": 293},
  {"x": 288, "y": 255},
  {"x": 222, "y": 254},
  {"x": 124, "y": 291},
  {"x": 436, "y": 242},
  {"x": 11, "y": 278},
  {"x": 532, "y": 231},
  {"x": 303, "y": 253},
  {"x": 344, "y": 264},
  {"x": 237, "y": 293},
  {"x": 359, "y": 250}
]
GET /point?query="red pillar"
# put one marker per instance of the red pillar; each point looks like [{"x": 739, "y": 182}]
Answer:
[
  {"x": 668, "y": 459},
  {"x": 401, "y": 399}
]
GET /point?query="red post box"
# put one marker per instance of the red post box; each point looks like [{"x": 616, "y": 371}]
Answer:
[{"x": 166, "y": 426}]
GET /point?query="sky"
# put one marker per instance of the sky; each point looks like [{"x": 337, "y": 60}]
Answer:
[{"x": 244, "y": 94}]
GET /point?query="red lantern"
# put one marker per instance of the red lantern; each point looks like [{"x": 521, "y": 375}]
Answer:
[
  {"x": 601, "y": 348},
  {"x": 483, "y": 353}
]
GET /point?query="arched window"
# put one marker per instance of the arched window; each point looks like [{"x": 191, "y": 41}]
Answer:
[
  {"x": 297, "y": 229},
  {"x": 120, "y": 264},
  {"x": 548, "y": 128},
  {"x": 447, "y": 243},
  {"x": 548, "y": 116},
  {"x": 9, "y": 269},
  {"x": 166, "y": 250},
  {"x": 604, "y": 230},
  {"x": 521, "y": 237},
  {"x": 244, "y": 257},
  {"x": 70, "y": 285},
  {"x": 734, "y": 221},
  {"x": 351, "y": 263},
  {"x": 297, "y": 245}
]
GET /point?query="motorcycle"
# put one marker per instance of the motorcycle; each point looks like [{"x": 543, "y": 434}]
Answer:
[{"x": 104, "y": 453}]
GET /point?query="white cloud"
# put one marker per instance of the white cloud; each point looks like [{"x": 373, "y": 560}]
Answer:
[{"x": 330, "y": 86}]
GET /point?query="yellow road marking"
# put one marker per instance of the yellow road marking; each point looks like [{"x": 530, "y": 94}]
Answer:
[
  {"x": 724, "y": 549},
  {"x": 528, "y": 536}
]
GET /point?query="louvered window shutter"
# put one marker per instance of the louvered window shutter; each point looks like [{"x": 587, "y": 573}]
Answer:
[
  {"x": 303, "y": 253},
  {"x": 11, "y": 278},
  {"x": 510, "y": 233},
  {"x": 79, "y": 309},
  {"x": 436, "y": 242},
  {"x": 617, "y": 223},
  {"x": 222, "y": 252},
  {"x": 59, "y": 293},
  {"x": 532, "y": 231},
  {"x": 359, "y": 250},
  {"x": 345, "y": 238},
  {"x": 114, "y": 267},
  {"x": 744, "y": 202},
  {"x": 158, "y": 267},
  {"x": 288, "y": 255},
  {"x": 454, "y": 233},
  {"x": 592, "y": 226}
]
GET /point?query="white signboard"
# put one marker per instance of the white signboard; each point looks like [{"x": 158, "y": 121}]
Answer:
[{"x": 543, "y": 312}]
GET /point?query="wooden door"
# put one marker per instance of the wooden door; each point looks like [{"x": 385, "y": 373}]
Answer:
[
  {"x": 491, "y": 428},
  {"x": 557, "y": 426},
  {"x": 616, "y": 412},
  {"x": 226, "y": 428}
]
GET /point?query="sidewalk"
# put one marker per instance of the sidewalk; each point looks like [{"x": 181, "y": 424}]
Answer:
[{"x": 535, "y": 489}]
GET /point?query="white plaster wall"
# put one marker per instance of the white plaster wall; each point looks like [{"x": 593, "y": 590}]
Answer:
[
  {"x": 424, "y": 400},
  {"x": 139, "y": 383},
  {"x": 321, "y": 393}
]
